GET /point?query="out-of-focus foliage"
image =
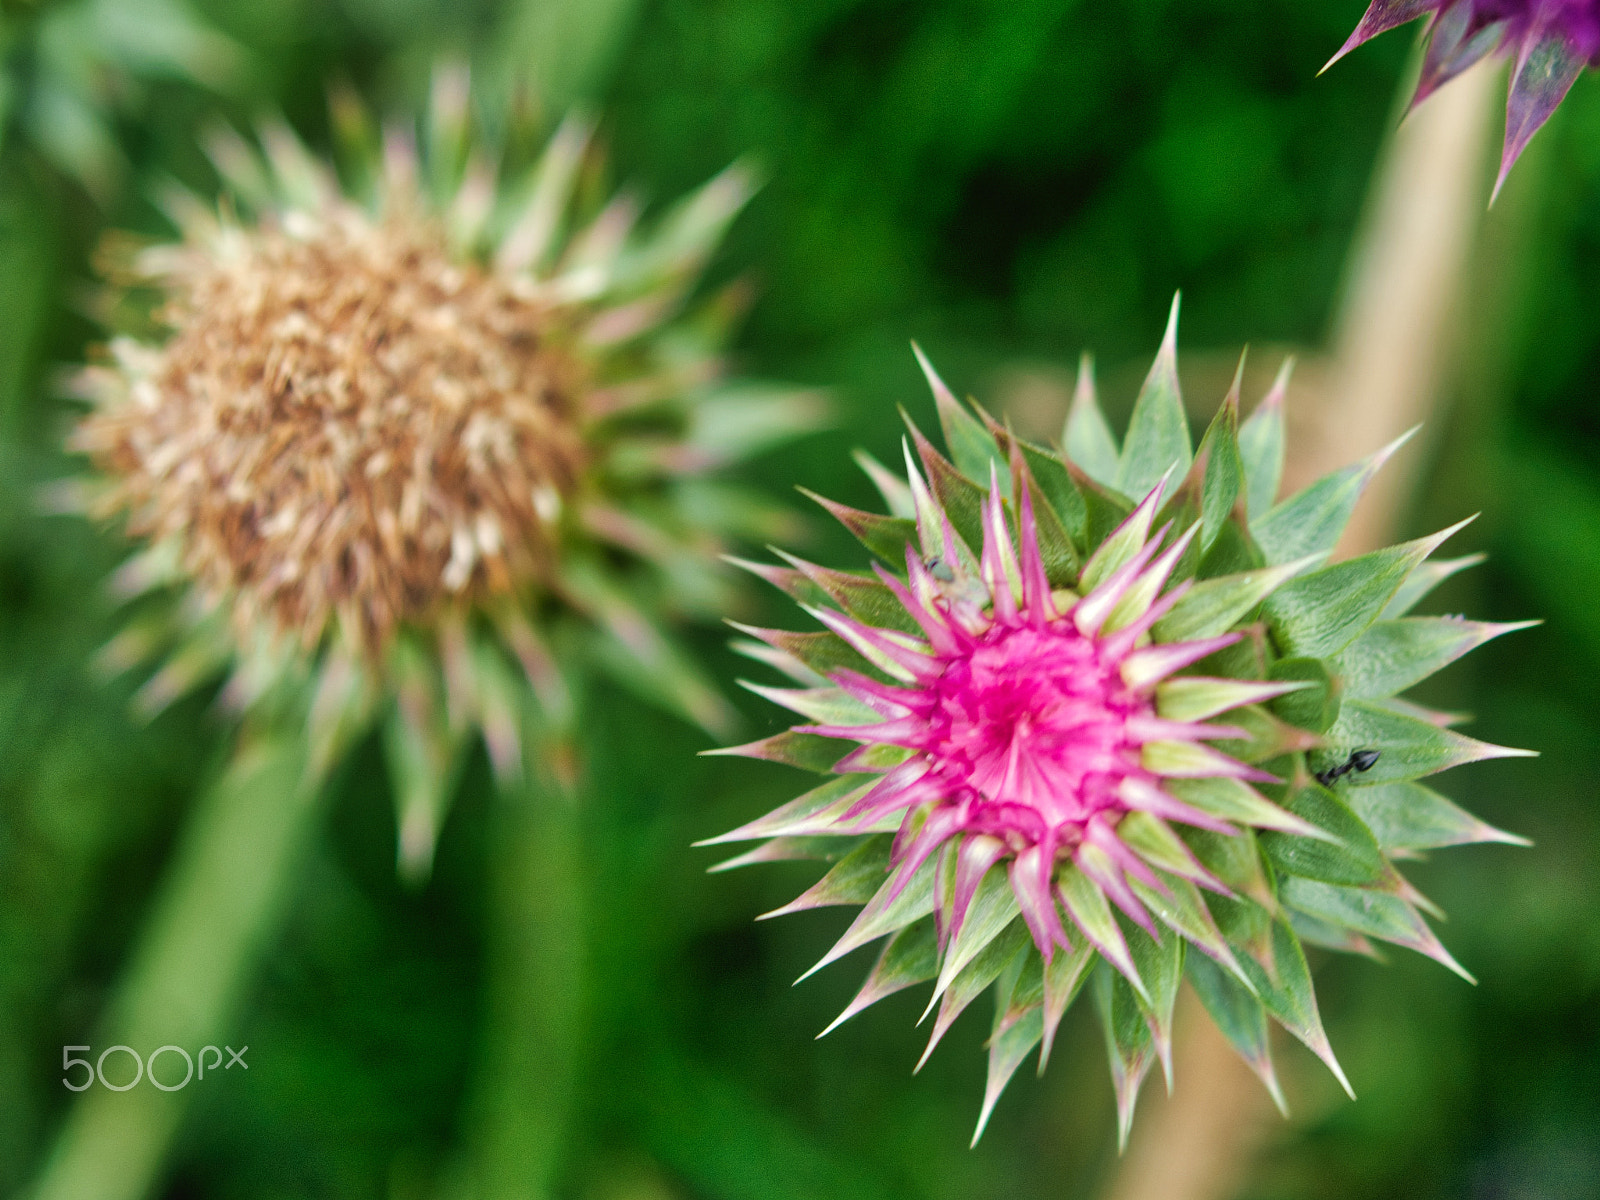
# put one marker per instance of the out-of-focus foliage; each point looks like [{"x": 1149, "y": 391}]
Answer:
[
  {"x": 69, "y": 69},
  {"x": 1008, "y": 181}
]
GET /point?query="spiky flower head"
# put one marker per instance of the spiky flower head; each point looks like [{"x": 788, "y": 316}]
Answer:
[
  {"x": 417, "y": 437},
  {"x": 1549, "y": 43},
  {"x": 1117, "y": 722}
]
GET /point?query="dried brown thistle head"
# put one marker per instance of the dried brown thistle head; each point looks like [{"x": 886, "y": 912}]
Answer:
[
  {"x": 345, "y": 423},
  {"x": 425, "y": 441}
]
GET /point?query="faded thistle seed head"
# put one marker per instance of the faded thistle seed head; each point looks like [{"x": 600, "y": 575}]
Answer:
[
  {"x": 419, "y": 438},
  {"x": 1549, "y": 42},
  {"x": 1108, "y": 718},
  {"x": 346, "y": 425}
]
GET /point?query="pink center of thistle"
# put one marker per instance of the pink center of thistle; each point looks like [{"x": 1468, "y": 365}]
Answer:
[{"x": 1033, "y": 725}]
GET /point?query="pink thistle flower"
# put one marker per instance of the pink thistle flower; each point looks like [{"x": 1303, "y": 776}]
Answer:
[
  {"x": 1549, "y": 41},
  {"x": 1118, "y": 724},
  {"x": 1035, "y": 721}
]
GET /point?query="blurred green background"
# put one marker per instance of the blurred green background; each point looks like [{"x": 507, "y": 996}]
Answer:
[{"x": 1010, "y": 182}]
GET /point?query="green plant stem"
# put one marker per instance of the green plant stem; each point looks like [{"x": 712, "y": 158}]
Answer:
[
  {"x": 532, "y": 1032},
  {"x": 218, "y": 907}
]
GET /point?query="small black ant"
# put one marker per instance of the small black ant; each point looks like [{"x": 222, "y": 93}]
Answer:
[{"x": 1359, "y": 760}]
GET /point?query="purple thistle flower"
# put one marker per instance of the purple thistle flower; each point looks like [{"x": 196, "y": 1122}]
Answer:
[
  {"x": 1550, "y": 41},
  {"x": 1118, "y": 724},
  {"x": 1035, "y": 721}
]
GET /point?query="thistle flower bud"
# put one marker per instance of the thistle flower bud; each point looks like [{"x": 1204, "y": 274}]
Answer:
[
  {"x": 1549, "y": 44},
  {"x": 1108, "y": 719}
]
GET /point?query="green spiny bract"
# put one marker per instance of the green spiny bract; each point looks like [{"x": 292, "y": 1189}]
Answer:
[
  {"x": 1037, "y": 800},
  {"x": 419, "y": 438}
]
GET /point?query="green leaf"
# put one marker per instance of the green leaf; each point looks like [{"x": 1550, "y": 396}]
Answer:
[
  {"x": 1382, "y": 915},
  {"x": 887, "y": 537},
  {"x": 1091, "y": 912},
  {"x": 1158, "y": 431},
  {"x": 1183, "y": 910},
  {"x": 823, "y": 651},
  {"x": 743, "y": 513},
  {"x": 1128, "y": 1043},
  {"x": 690, "y": 230},
  {"x": 1087, "y": 438},
  {"x": 1349, "y": 853},
  {"x": 823, "y": 705},
  {"x": 1007, "y": 1049},
  {"x": 806, "y": 751},
  {"x": 1424, "y": 579},
  {"x": 968, "y": 441},
  {"x": 867, "y": 599},
  {"x": 787, "y": 580},
  {"x": 1393, "y": 655},
  {"x": 1061, "y": 561},
  {"x": 1291, "y": 999},
  {"x": 999, "y": 955},
  {"x": 421, "y": 755},
  {"x": 1316, "y": 705},
  {"x": 961, "y": 498},
  {"x": 1314, "y": 931},
  {"x": 1320, "y": 614},
  {"x": 1235, "y": 800},
  {"x": 1224, "y": 472},
  {"x": 1160, "y": 962},
  {"x": 1411, "y": 816},
  {"x": 1199, "y": 697},
  {"x": 1239, "y": 1016},
  {"x": 1267, "y": 736},
  {"x": 1246, "y": 918},
  {"x": 740, "y": 421},
  {"x": 852, "y": 880},
  {"x": 1055, "y": 482},
  {"x": 896, "y": 494},
  {"x": 883, "y": 915},
  {"x": 668, "y": 677},
  {"x": 1123, "y": 543},
  {"x": 993, "y": 908},
  {"x": 1410, "y": 748},
  {"x": 1104, "y": 510},
  {"x": 1153, "y": 840},
  {"x": 1311, "y": 521},
  {"x": 1019, "y": 988},
  {"x": 203, "y": 653},
  {"x": 1214, "y": 606},
  {"x": 637, "y": 654},
  {"x": 908, "y": 958},
  {"x": 1261, "y": 441},
  {"x": 1063, "y": 977},
  {"x": 812, "y": 848},
  {"x": 1234, "y": 551},
  {"x": 932, "y": 519},
  {"x": 813, "y": 812}
]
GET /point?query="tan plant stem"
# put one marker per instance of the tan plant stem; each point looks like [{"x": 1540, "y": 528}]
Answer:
[
  {"x": 527, "y": 1061},
  {"x": 219, "y": 905},
  {"x": 1397, "y": 327},
  {"x": 1392, "y": 346}
]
